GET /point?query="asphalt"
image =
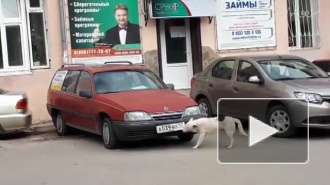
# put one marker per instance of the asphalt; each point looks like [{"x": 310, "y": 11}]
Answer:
[{"x": 81, "y": 158}]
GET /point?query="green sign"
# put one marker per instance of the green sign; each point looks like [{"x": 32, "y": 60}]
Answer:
[
  {"x": 182, "y": 8},
  {"x": 100, "y": 28}
]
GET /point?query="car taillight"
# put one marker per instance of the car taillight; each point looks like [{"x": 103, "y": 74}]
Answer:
[
  {"x": 22, "y": 105},
  {"x": 192, "y": 82}
]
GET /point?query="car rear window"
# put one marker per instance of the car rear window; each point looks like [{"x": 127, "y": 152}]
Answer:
[{"x": 58, "y": 80}]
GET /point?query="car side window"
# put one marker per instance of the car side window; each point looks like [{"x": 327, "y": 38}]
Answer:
[
  {"x": 70, "y": 82},
  {"x": 224, "y": 69},
  {"x": 84, "y": 82},
  {"x": 245, "y": 71}
]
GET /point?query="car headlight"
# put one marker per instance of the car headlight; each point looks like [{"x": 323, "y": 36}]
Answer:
[
  {"x": 310, "y": 97},
  {"x": 191, "y": 111},
  {"x": 136, "y": 116}
]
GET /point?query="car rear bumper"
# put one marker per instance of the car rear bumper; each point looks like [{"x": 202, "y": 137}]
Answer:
[
  {"x": 135, "y": 131},
  {"x": 15, "y": 122}
]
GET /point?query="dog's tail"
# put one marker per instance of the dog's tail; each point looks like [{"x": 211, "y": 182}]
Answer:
[{"x": 240, "y": 127}]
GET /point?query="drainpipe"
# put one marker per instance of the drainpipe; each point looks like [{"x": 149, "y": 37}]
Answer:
[{"x": 63, "y": 29}]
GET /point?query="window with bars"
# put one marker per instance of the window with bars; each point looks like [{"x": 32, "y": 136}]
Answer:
[
  {"x": 303, "y": 20},
  {"x": 22, "y": 36}
]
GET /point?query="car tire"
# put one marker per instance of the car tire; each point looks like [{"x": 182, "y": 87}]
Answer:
[
  {"x": 205, "y": 104},
  {"x": 108, "y": 135},
  {"x": 186, "y": 137},
  {"x": 61, "y": 127},
  {"x": 280, "y": 113}
]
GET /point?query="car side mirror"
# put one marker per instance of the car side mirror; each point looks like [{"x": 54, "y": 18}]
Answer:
[
  {"x": 86, "y": 94},
  {"x": 255, "y": 80},
  {"x": 328, "y": 73},
  {"x": 170, "y": 86}
]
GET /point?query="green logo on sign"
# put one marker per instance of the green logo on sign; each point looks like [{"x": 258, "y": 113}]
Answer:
[{"x": 169, "y": 8}]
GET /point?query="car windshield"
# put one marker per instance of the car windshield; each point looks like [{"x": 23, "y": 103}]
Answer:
[
  {"x": 291, "y": 69},
  {"x": 128, "y": 80}
]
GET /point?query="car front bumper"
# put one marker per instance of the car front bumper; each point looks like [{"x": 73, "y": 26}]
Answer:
[
  {"x": 135, "y": 131},
  {"x": 317, "y": 115},
  {"x": 15, "y": 122}
]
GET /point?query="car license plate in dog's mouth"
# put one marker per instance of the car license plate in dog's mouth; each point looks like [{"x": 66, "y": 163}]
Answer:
[{"x": 170, "y": 127}]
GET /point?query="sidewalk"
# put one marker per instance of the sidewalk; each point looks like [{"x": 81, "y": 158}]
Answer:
[{"x": 44, "y": 128}]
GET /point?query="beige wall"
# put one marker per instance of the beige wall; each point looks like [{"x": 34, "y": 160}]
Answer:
[{"x": 36, "y": 84}]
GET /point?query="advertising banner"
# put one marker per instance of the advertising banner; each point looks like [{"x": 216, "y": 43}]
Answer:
[
  {"x": 182, "y": 8},
  {"x": 104, "y": 28},
  {"x": 245, "y": 24}
]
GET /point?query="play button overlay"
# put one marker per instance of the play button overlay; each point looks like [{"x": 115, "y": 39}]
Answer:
[
  {"x": 259, "y": 131},
  {"x": 270, "y": 125}
]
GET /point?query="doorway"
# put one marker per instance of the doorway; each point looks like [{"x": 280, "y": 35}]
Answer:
[{"x": 176, "y": 55}]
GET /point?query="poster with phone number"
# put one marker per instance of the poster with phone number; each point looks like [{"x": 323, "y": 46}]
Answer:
[
  {"x": 104, "y": 28},
  {"x": 243, "y": 24}
]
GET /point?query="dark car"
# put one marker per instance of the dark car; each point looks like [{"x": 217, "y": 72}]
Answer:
[
  {"x": 267, "y": 77},
  {"x": 323, "y": 64},
  {"x": 118, "y": 101}
]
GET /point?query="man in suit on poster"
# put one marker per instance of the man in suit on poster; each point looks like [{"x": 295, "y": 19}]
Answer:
[{"x": 123, "y": 33}]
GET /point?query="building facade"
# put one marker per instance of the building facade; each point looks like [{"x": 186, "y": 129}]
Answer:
[{"x": 175, "y": 39}]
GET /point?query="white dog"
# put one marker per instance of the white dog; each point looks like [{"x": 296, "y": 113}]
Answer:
[{"x": 207, "y": 126}]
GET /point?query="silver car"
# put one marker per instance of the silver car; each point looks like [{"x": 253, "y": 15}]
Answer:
[
  {"x": 266, "y": 77},
  {"x": 14, "y": 113}
]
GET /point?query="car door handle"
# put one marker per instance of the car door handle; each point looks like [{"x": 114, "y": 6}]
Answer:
[
  {"x": 211, "y": 85},
  {"x": 235, "y": 89}
]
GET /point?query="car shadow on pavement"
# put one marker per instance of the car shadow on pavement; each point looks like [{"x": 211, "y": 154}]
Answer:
[
  {"x": 14, "y": 136},
  {"x": 150, "y": 144},
  {"x": 314, "y": 133}
]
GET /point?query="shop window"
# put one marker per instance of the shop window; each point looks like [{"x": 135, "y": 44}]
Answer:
[
  {"x": 38, "y": 35},
  {"x": 10, "y": 8},
  {"x": 1, "y": 58},
  {"x": 303, "y": 24},
  {"x": 35, "y": 3},
  {"x": 14, "y": 46},
  {"x": 22, "y": 36}
]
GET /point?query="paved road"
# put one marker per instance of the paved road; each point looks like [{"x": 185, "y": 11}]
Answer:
[{"x": 82, "y": 159}]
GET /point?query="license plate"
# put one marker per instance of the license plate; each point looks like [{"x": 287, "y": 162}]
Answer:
[{"x": 170, "y": 127}]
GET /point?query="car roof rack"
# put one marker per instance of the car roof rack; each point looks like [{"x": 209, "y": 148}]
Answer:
[
  {"x": 119, "y": 62},
  {"x": 73, "y": 64}
]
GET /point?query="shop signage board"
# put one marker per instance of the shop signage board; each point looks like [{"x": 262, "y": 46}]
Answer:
[
  {"x": 182, "y": 8},
  {"x": 96, "y": 34},
  {"x": 243, "y": 24}
]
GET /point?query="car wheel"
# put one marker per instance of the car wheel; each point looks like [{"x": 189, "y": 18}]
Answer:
[
  {"x": 109, "y": 137},
  {"x": 279, "y": 118},
  {"x": 205, "y": 107},
  {"x": 186, "y": 137},
  {"x": 61, "y": 127}
]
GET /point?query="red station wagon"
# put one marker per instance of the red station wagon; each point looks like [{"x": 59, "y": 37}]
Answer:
[{"x": 120, "y": 101}]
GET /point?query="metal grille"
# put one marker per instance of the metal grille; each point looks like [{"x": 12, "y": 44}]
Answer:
[
  {"x": 303, "y": 24},
  {"x": 169, "y": 116}
]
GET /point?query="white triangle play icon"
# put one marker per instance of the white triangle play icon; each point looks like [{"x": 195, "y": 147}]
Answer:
[{"x": 259, "y": 131}]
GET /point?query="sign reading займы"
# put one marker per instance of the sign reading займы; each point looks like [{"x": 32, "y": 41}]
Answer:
[
  {"x": 104, "y": 28},
  {"x": 182, "y": 8},
  {"x": 245, "y": 24}
]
